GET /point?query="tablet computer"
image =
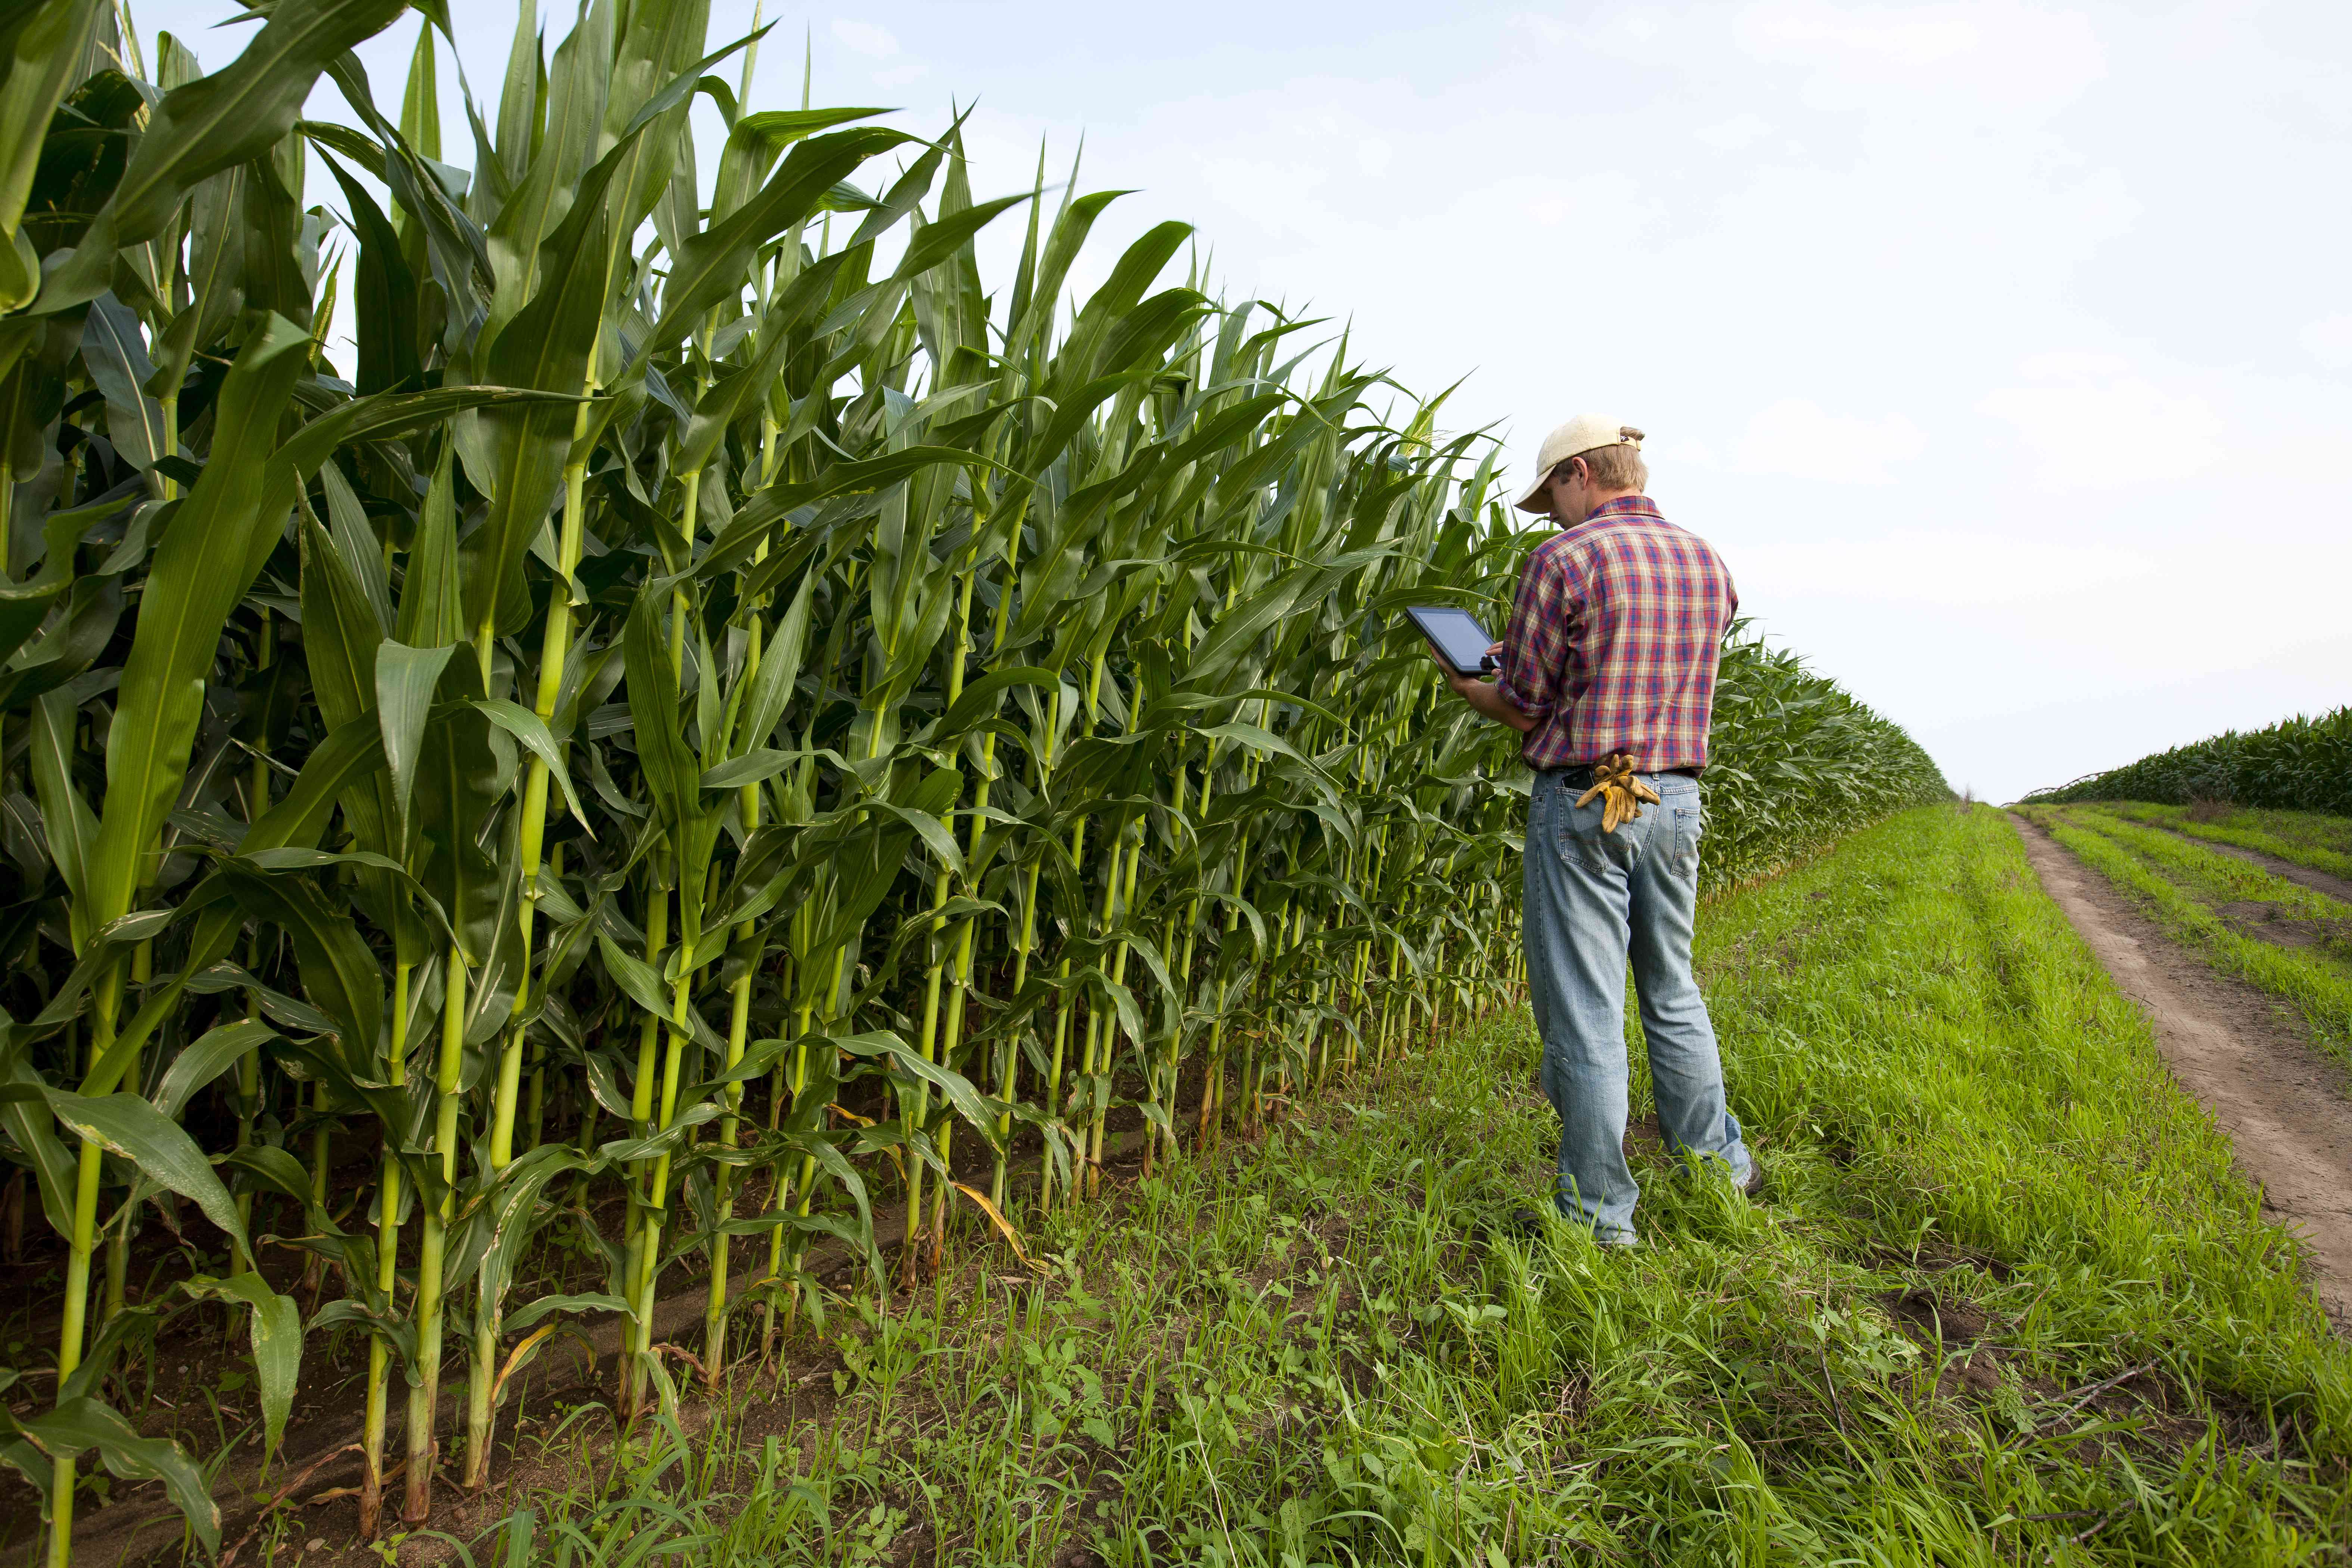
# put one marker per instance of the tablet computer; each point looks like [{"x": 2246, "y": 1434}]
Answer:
[{"x": 1457, "y": 636}]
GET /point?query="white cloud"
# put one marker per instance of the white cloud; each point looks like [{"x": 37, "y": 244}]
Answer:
[
  {"x": 1731, "y": 135},
  {"x": 1610, "y": 202},
  {"x": 1933, "y": 566},
  {"x": 866, "y": 38},
  {"x": 1912, "y": 35},
  {"x": 1670, "y": 454},
  {"x": 2329, "y": 341},
  {"x": 1796, "y": 437},
  {"x": 1987, "y": 60},
  {"x": 1548, "y": 30},
  {"x": 2093, "y": 425}
]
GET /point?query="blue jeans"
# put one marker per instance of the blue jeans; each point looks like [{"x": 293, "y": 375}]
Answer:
[{"x": 1593, "y": 901}]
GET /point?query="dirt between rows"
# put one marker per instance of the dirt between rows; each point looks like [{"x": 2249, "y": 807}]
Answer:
[{"x": 2282, "y": 1103}]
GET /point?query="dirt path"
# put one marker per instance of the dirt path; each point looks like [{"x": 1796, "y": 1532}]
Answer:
[
  {"x": 2302, "y": 876},
  {"x": 2282, "y": 1103}
]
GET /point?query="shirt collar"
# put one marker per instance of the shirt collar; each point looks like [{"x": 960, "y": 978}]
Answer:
[
  {"x": 1620, "y": 506},
  {"x": 1640, "y": 505}
]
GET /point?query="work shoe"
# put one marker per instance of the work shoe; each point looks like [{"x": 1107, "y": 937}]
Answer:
[
  {"x": 1753, "y": 1187},
  {"x": 1530, "y": 1225}
]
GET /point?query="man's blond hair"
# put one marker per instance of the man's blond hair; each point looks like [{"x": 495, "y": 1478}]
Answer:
[{"x": 1617, "y": 467}]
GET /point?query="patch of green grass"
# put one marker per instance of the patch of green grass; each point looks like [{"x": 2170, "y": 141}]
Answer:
[
  {"x": 2180, "y": 884},
  {"x": 1321, "y": 1353},
  {"x": 2311, "y": 839}
]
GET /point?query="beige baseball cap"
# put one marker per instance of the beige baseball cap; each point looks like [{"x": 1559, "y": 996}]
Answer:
[{"x": 1585, "y": 432}]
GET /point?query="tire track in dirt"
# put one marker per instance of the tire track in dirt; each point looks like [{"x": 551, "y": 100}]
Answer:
[
  {"x": 2282, "y": 1103},
  {"x": 2318, "y": 882}
]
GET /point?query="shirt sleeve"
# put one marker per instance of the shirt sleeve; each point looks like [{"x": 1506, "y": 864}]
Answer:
[{"x": 1535, "y": 640}]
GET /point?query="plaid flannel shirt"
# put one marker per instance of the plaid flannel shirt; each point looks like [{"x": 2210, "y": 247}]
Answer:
[{"x": 1613, "y": 638}]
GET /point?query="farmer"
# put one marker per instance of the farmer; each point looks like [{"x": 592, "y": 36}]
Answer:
[{"x": 1607, "y": 668}]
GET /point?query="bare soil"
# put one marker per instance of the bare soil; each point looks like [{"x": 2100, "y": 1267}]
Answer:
[
  {"x": 2270, "y": 923},
  {"x": 2234, "y": 1047}
]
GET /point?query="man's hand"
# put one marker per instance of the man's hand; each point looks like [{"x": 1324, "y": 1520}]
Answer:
[{"x": 1483, "y": 696}]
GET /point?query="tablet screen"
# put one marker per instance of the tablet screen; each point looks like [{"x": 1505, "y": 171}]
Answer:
[{"x": 1459, "y": 638}]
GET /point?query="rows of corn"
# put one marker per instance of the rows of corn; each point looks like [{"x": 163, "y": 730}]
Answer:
[
  {"x": 1794, "y": 760},
  {"x": 2300, "y": 763},
  {"x": 710, "y": 726}
]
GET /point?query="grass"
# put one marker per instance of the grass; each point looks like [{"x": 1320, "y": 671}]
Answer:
[
  {"x": 2006, "y": 1302},
  {"x": 2190, "y": 891},
  {"x": 2312, "y": 838}
]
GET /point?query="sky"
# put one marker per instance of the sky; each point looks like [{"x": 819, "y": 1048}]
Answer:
[{"x": 2004, "y": 351}]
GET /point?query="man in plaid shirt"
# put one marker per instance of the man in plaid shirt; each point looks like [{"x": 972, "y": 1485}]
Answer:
[{"x": 1607, "y": 668}]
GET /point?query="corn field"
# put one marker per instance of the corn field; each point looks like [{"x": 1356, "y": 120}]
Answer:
[
  {"x": 714, "y": 741},
  {"x": 2296, "y": 765}
]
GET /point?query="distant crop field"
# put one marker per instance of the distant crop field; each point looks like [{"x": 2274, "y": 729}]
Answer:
[{"x": 2298, "y": 764}]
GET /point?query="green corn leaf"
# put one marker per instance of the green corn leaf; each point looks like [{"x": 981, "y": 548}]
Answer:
[
  {"x": 273, "y": 1168},
  {"x": 982, "y": 699},
  {"x": 341, "y": 630},
  {"x": 713, "y": 264},
  {"x": 126, "y": 1125},
  {"x": 197, "y": 579},
  {"x": 70, "y": 828},
  {"x": 231, "y": 117},
  {"x": 204, "y": 1059},
  {"x": 503, "y": 1225},
  {"x": 754, "y": 143},
  {"x": 906, "y": 1060},
  {"x": 83, "y": 1425},
  {"x": 25, "y": 1115},
  {"x": 531, "y": 730},
  {"x": 751, "y": 768},
  {"x": 669, "y": 1140},
  {"x": 384, "y": 295},
  {"x": 406, "y": 681},
  {"x": 277, "y": 1344},
  {"x": 341, "y": 978},
  {"x": 460, "y": 787},
  {"x": 356, "y": 545},
  {"x": 780, "y": 667},
  {"x": 523, "y": 1317},
  {"x": 350, "y": 754},
  {"x": 431, "y": 608},
  {"x": 45, "y": 43},
  {"x": 117, "y": 357},
  {"x": 516, "y": 456},
  {"x": 642, "y": 984},
  {"x": 671, "y": 775}
]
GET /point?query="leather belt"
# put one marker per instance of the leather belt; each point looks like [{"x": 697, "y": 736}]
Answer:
[{"x": 1576, "y": 775}]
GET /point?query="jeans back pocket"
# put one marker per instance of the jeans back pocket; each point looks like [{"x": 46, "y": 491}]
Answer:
[
  {"x": 1577, "y": 833},
  {"x": 1689, "y": 824}
]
